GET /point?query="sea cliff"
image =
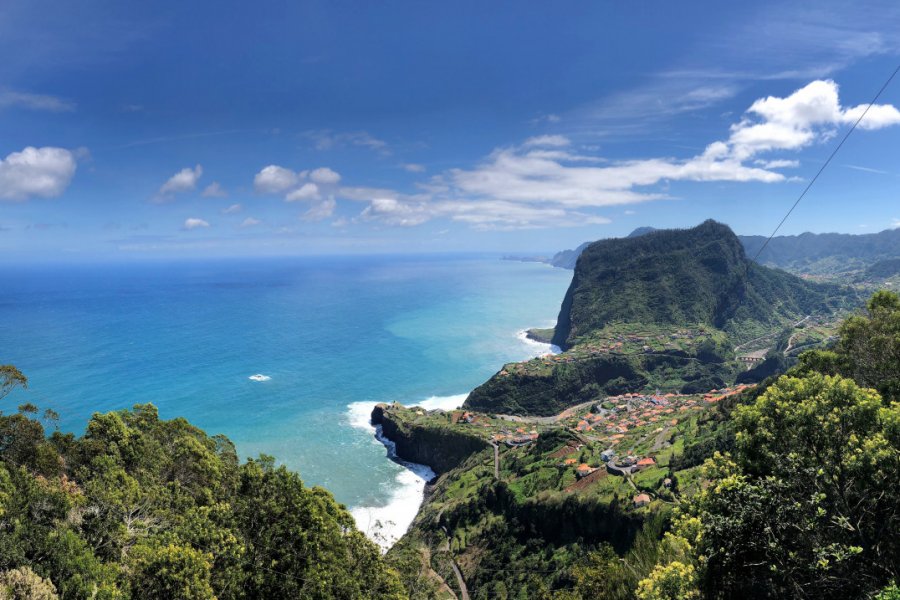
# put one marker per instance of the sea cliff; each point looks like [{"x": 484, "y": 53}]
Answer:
[{"x": 440, "y": 448}]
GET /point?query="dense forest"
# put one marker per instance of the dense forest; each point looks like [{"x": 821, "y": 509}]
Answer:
[{"x": 144, "y": 508}]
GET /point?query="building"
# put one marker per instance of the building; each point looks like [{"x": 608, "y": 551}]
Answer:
[{"x": 641, "y": 500}]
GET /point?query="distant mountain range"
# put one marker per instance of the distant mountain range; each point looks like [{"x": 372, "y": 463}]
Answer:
[{"x": 809, "y": 253}]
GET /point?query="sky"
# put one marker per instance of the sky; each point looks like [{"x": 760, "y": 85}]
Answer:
[{"x": 132, "y": 131}]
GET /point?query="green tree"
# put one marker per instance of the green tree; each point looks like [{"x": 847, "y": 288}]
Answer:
[
  {"x": 169, "y": 570},
  {"x": 25, "y": 584},
  {"x": 808, "y": 506},
  {"x": 10, "y": 379}
]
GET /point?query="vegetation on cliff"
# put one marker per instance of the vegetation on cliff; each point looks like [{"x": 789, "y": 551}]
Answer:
[
  {"x": 139, "y": 507},
  {"x": 680, "y": 277}
]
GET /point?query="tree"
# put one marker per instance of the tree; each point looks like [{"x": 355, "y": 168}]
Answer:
[
  {"x": 868, "y": 348},
  {"x": 10, "y": 379},
  {"x": 25, "y": 584},
  {"x": 807, "y": 507}
]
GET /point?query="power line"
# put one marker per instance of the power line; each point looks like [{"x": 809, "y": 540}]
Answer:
[{"x": 826, "y": 163}]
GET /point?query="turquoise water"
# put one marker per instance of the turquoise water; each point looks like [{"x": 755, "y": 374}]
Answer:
[{"x": 330, "y": 333}]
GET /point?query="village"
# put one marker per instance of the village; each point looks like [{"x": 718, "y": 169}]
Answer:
[
  {"x": 618, "y": 339},
  {"x": 630, "y": 437}
]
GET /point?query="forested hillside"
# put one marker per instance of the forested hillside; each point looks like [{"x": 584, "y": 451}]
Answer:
[
  {"x": 682, "y": 277},
  {"x": 144, "y": 508}
]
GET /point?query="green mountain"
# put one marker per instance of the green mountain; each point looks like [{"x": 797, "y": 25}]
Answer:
[
  {"x": 682, "y": 277},
  {"x": 677, "y": 310}
]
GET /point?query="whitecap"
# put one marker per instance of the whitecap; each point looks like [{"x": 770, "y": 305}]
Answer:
[
  {"x": 259, "y": 377},
  {"x": 536, "y": 348},
  {"x": 443, "y": 402}
]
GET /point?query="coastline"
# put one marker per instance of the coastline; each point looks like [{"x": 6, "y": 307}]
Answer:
[{"x": 388, "y": 523}]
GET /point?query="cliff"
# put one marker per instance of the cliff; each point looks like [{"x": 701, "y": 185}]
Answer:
[
  {"x": 424, "y": 441},
  {"x": 679, "y": 277}
]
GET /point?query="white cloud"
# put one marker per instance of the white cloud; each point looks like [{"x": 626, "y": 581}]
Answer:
[
  {"x": 250, "y": 222},
  {"x": 324, "y": 175},
  {"x": 194, "y": 223},
  {"x": 307, "y": 191},
  {"x": 777, "y": 164},
  {"x": 214, "y": 190},
  {"x": 554, "y": 141},
  {"x": 184, "y": 180},
  {"x": 320, "y": 211},
  {"x": 275, "y": 180},
  {"x": 809, "y": 114},
  {"x": 396, "y": 212},
  {"x": 36, "y": 172},
  {"x": 328, "y": 140},
  {"x": 12, "y": 99},
  {"x": 413, "y": 167},
  {"x": 549, "y": 118},
  {"x": 233, "y": 209}
]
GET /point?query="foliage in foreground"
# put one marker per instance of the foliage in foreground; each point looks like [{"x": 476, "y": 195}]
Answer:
[
  {"x": 144, "y": 508},
  {"x": 806, "y": 507}
]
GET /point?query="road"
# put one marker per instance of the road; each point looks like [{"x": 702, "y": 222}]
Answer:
[
  {"x": 549, "y": 420},
  {"x": 496, "y": 461},
  {"x": 459, "y": 579}
]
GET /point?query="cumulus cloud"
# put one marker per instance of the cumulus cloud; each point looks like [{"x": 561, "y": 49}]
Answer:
[
  {"x": 250, "y": 222},
  {"x": 233, "y": 209},
  {"x": 194, "y": 223},
  {"x": 214, "y": 190},
  {"x": 808, "y": 115},
  {"x": 184, "y": 180},
  {"x": 324, "y": 175},
  {"x": 307, "y": 191},
  {"x": 13, "y": 99},
  {"x": 275, "y": 180},
  {"x": 36, "y": 172},
  {"x": 301, "y": 186}
]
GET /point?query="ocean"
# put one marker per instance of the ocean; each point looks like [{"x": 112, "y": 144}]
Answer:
[{"x": 329, "y": 338}]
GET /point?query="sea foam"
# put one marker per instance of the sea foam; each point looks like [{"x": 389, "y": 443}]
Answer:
[
  {"x": 386, "y": 524},
  {"x": 536, "y": 348}
]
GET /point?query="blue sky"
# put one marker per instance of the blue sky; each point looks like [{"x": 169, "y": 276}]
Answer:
[{"x": 141, "y": 130}]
